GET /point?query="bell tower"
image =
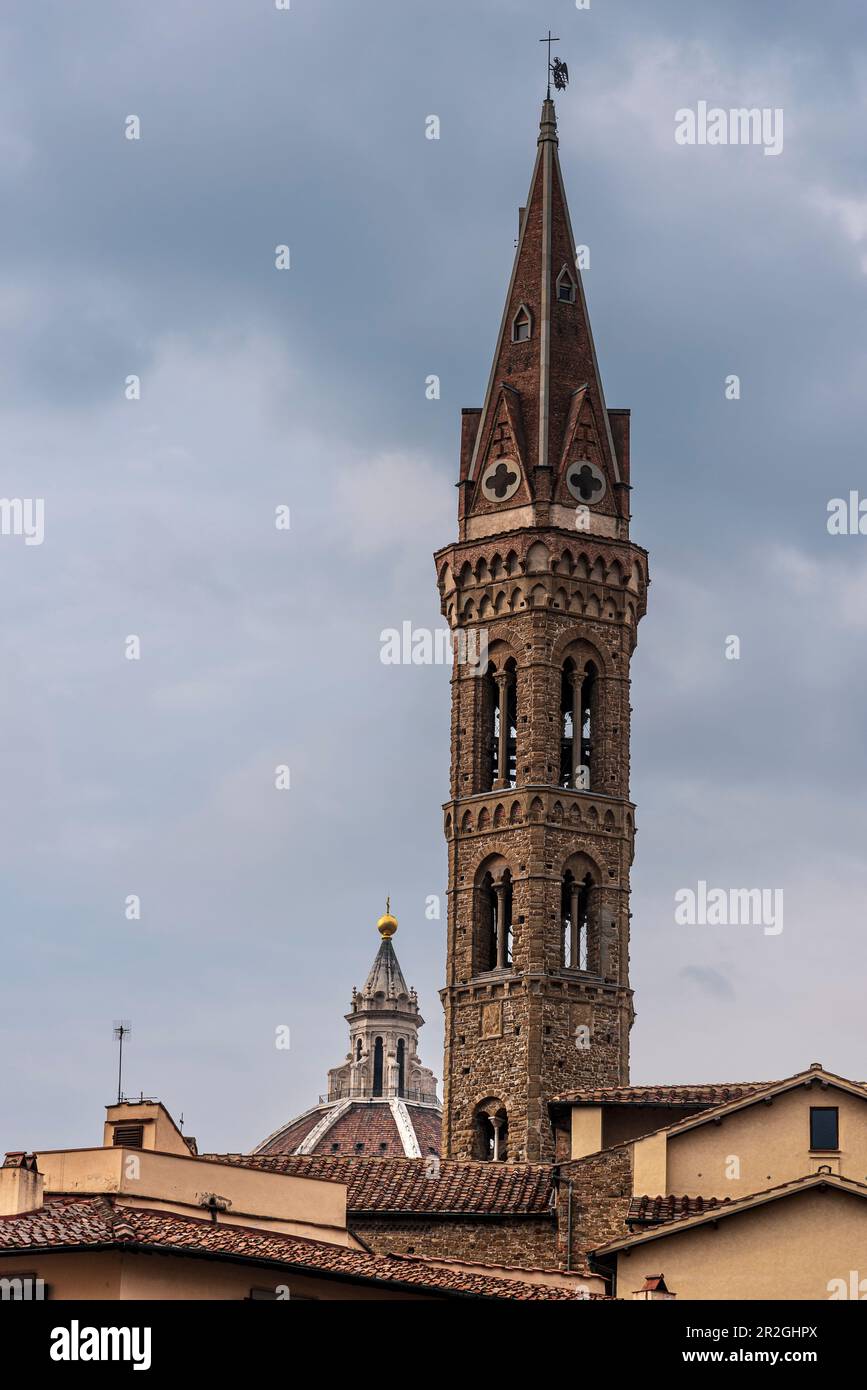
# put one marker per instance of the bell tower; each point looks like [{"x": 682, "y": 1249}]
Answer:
[{"x": 543, "y": 591}]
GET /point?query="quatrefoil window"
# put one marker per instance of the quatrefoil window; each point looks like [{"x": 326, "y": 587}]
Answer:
[
  {"x": 585, "y": 481},
  {"x": 501, "y": 480}
]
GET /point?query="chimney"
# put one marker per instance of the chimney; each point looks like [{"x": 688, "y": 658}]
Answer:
[
  {"x": 143, "y": 1124},
  {"x": 21, "y": 1184},
  {"x": 653, "y": 1288}
]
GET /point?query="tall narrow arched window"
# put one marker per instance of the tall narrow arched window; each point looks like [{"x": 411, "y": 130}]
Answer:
[
  {"x": 577, "y": 724},
  {"x": 575, "y": 921},
  {"x": 401, "y": 1067},
  {"x": 588, "y": 720},
  {"x": 358, "y": 1050},
  {"x": 377, "y": 1067},
  {"x": 486, "y": 950},
  {"x": 493, "y": 934},
  {"x": 500, "y": 713},
  {"x": 491, "y": 1132},
  {"x": 567, "y": 728}
]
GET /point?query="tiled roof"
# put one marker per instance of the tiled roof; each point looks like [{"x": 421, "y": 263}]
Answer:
[
  {"x": 60, "y": 1221},
  {"x": 403, "y": 1184},
  {"x": 693, "y": 1210},
  {"x": 653, "y": 1211},
  {"x": 714, "y": 1093},
  {"x": 67, "y": 1223}
]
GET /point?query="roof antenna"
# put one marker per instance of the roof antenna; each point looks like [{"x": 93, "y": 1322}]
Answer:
[{"x": 122, "y": 1029}]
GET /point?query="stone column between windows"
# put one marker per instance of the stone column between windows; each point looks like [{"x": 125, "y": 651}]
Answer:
[
  {"x": 503, "y": 747},
  {"x": 574, "y": 927},
  {"x": 500, "y": 891},
  {"x": 496, "y": 1122}
]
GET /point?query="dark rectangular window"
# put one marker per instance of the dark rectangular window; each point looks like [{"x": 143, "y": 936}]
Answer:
[
  {"x": 824, "y": 1127},
  {"x": 129, "y": 1136}
]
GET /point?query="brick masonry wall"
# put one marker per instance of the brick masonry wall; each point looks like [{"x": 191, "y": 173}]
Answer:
[
  {"x": 601, "y": 1193},
  {"x": 513, "y": 1036},
  {"x": 507, "y": 1240}
]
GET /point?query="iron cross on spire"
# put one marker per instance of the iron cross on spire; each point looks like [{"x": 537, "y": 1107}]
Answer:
[{"x": 556, "y": 69}]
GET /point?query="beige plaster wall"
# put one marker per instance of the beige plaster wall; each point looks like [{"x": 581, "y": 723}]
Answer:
[
  {"x": 788, "y": 1249},
  {"x": 770, "y": 1143},
  {"x": 299, "y": 1206},
  {"x": 110, "y": 1276}
]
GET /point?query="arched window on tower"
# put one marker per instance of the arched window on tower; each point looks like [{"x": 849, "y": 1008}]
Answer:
[
  {"x": 522, "y": 325},
  {"x": 575, "y": 921},
  {"x": 377, "y": 1067},
  {"x": 401, "y": 1067},
  {"x": 358, "y": 1050},
  {"x": 566, "y": 286},
  {"x": 577, "y": 724},
  {"x": 500, "y": 738},
  {"x": 491, "y": 1132},
  {"x": 494, "y": 922}
]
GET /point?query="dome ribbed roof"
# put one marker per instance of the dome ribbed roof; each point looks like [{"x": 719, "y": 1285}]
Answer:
[{"x": 384, "y": 1128}]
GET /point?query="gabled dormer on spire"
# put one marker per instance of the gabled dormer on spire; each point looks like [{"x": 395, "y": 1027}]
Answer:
[{"x": 544, "y": 443}]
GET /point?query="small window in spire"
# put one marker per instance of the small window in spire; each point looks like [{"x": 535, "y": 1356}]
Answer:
[
  {"x": 522, "y": 325},
  {"x": 566, "y": 286}
]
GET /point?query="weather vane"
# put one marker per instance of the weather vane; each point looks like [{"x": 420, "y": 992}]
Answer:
[{"x": 556, "y": 69}]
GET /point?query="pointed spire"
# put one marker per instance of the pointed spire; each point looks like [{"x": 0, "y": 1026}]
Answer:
[
  {"x": 386, "y": 976},
  {"x": 544, "y": 410}
]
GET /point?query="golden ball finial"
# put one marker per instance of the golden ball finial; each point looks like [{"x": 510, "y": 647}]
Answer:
[{"x": 387, "y": 925}]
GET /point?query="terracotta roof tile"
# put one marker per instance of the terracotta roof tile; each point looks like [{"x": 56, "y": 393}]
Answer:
[
  {"x": 659, "y": 1211},
  {"x": 403, "y": 1184},
  {"x": 654, "y": 1211},
  {"x": 64, "y": 1223},
  {"x": 712, "y": 1093},
  {"x": 671, "y": 1210}
]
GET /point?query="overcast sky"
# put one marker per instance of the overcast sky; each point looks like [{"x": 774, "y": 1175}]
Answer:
[{"x": 306, "y": 387}]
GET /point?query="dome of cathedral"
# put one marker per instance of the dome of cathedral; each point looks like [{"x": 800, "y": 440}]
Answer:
[
  {"x": 381, "y": 1101},
  {"x": 378, "y": 1127}
]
